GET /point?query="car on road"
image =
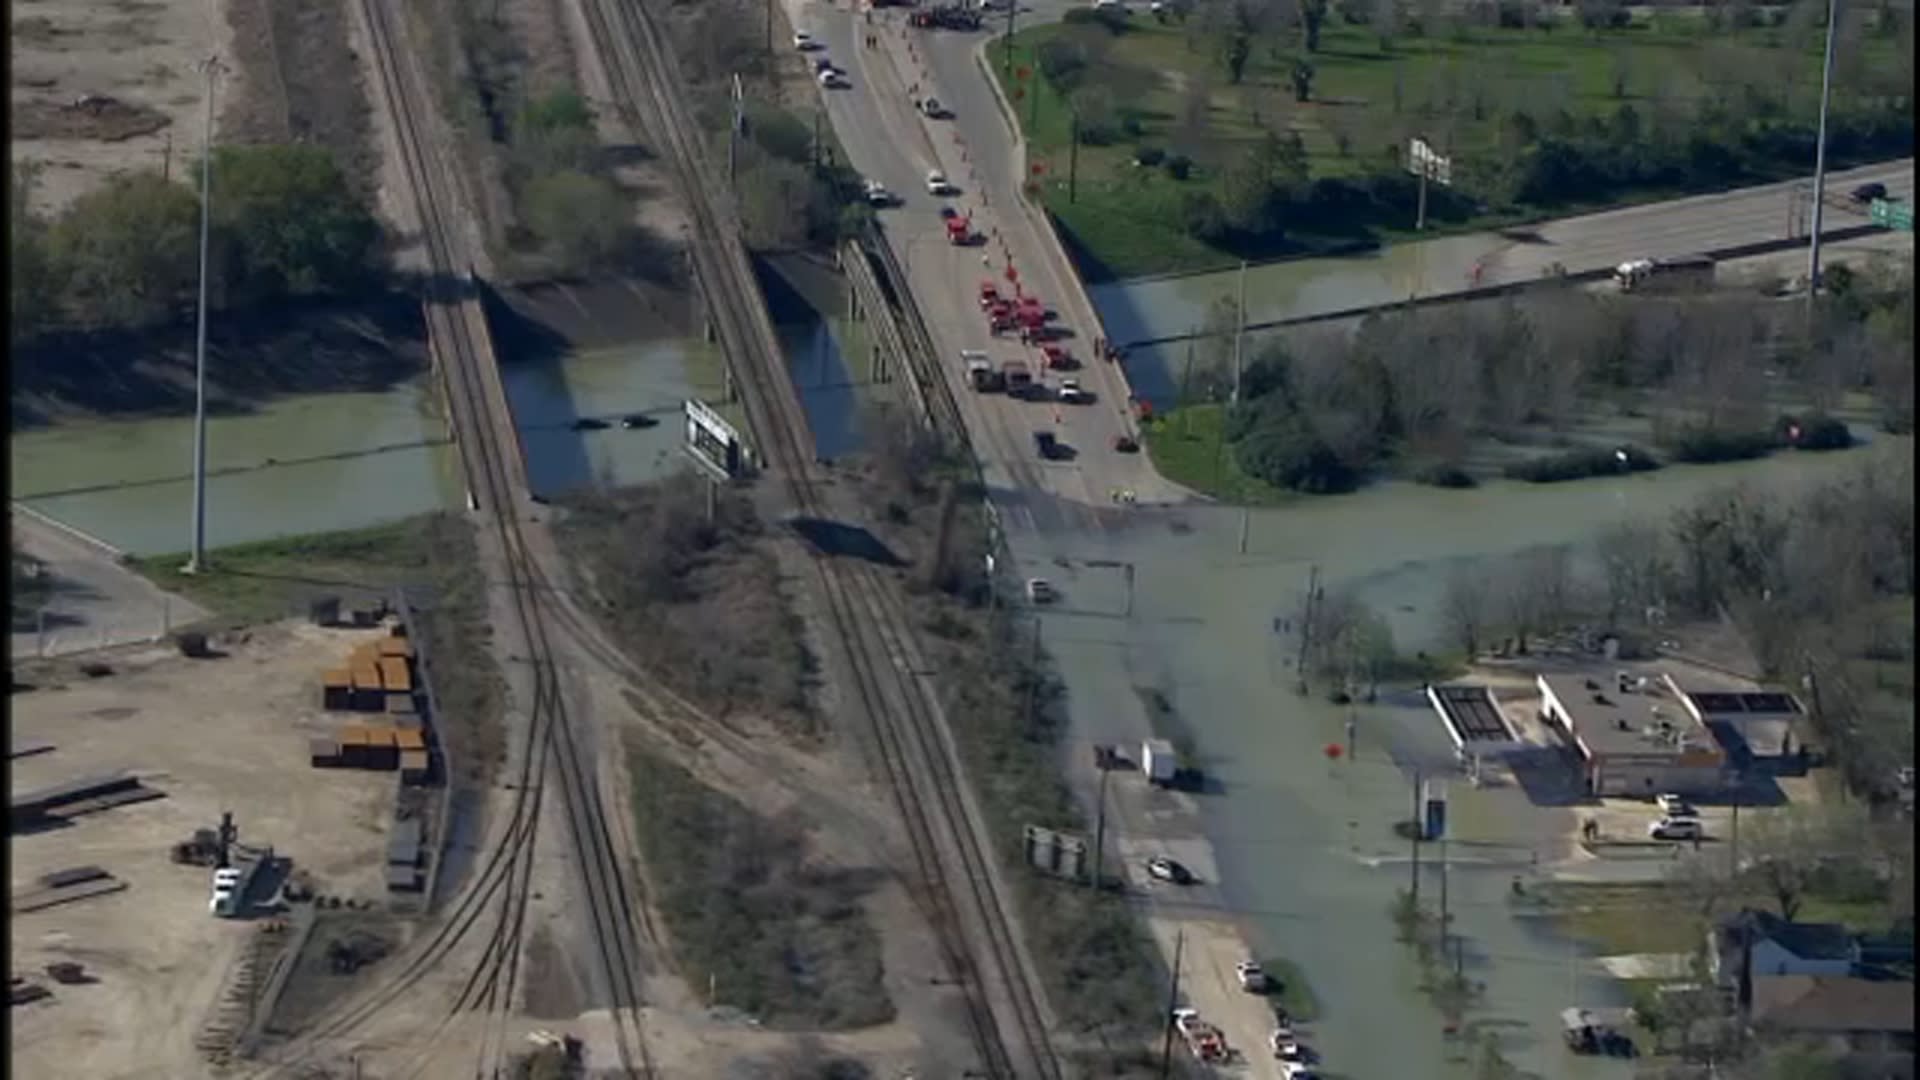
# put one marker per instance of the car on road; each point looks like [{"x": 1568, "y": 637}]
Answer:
[
  {"x": 1288, "y": 1050},
  {"x": 823, "y": 63},
  {"x": 1867, "y": 193},
  {"x": 933, "y": 109},
  {"x": 1039, "y": 591},
  {"x": 1046, "y": 444},
  {"x": 1297, "y": 1070},
  {"x": 833, "y": 80},
  {"x": 937, "y": 185},
  {"x": 1669, "y": 828},
  {"x": 878, "y": 195},
  {"x": 804, "y": 41},
  {"x": 1109, "y": 5},
  {"x": 1675, "y": 806},
  {"x": 1162, "y": 868},
  {"x": 1125, "y": 444},
  {"x": 1071, "y": 394},
  {"x": 1253, "y": 977}
]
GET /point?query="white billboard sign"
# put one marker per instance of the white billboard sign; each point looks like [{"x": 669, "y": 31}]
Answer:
[
  {"x": 712, "y": 440},
  {"x": 1423, "y": 161}
]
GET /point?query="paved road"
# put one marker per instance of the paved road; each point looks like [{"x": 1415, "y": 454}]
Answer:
[
  {"x": 96, "y": 602},
  {"x": 887, "y": 140},
  {"x": 1167, "y": 309}
]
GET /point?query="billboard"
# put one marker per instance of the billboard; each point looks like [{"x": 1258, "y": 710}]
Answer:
[{"x": 712, "y": 441}]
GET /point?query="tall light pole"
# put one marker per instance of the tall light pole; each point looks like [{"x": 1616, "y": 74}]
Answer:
[
  {"x": 197, "y": 553},
  {"x": 1820, "y": 161}
]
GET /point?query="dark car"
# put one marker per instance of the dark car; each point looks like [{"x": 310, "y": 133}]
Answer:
[
  {"x": 1867, "y": 193},
  {"x": 1045, "y": 443}
]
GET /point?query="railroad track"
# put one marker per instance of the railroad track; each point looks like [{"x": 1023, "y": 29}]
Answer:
[
  {"x": 553, "y": 746},
  {"x": 956, "y": 883}
]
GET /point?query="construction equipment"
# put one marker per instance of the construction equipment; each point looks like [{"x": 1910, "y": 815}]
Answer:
[{"x": 209, "y": 847}]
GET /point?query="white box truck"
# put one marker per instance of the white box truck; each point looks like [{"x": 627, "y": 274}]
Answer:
[{"x": 1157, "y": 762}]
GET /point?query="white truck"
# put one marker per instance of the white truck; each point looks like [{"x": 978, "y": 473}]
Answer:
[
  {"x": 1689, "y": 273},
  {"x": 1157, "y": 762}
]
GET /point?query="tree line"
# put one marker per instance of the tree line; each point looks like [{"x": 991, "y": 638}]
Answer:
[
  {"x": 125, "y": 256},
  {"x": 1747, "y": 115},
  {"x": 1417, "y": 388}
]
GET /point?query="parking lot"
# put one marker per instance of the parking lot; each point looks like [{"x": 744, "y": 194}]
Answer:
[{"x": 222, "y": 734}]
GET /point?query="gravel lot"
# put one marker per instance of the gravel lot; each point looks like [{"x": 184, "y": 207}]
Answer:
[{"x": 159, "y": 958}]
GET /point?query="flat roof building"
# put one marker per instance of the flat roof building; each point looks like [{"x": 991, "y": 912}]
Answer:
[
  {"x": 1756, "y": 725},
  {"x": 1635, "y": 737},
  {"x": 1474, "y": 720}
]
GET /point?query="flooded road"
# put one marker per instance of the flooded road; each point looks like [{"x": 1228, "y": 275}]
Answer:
[{"x": 1305, "y": 846}]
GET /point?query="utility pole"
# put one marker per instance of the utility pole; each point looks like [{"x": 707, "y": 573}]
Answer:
[
  {"x": 1100, "y": 830},
  {"x": 1820, "y": 164},
  {"x": 769, "y": 30},
  {"x": 1444, "y": 928},
  {"x": 1419, "y": 827},
  {"x": 1239, "y": 330},
  {"x": 734, "y": 129},
  {"x": 1246, "y": 525},
  {"x": 1129, "y": 601},
  {"x": 1013, "y": 6},
  {"x": 197, "y": 553},
  {"x": 1306, "y": 628},
  {"x": 1420, "y": 214},
  {"x": 1173, "y": 1002},
  {"x": 1073, "y": 154}
]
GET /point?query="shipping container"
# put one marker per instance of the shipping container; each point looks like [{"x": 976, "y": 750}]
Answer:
[
  {"x": 336, "y": 689},
  {"x": 400, "y": 705},
  {"x": 403, "y": 843},
  {"x": 410, "y": 740},
  {"x": 396, "y": 646},
  {"x": 382, "y": 754},
  {"x": 364, "y": 653},
  {"x": 403, "y": 879},
  {"x": 415, "y": 766},
  {"x": 394, "y": 674},
  {"x": 325, "y": 753},
  {"x": 341, "y": 677},
  {"x": 353, "y": 746},
  {"x": 408, "y": 722}
]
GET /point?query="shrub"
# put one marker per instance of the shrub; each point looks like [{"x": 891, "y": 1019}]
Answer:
[
  {"x": 1445, "y": 475},
  {"x": 1816, "y": 432},
  {"x": 1061, "y": 63},
  {"x": 1700, "y": 445},
  {"x": 1581, "y": 464},
  {"x": 1179, "y": 166},
  {"x": 1281, "y": 447}
]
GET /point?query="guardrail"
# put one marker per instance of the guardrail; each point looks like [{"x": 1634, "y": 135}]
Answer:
[{"x": 871, "y": 300}]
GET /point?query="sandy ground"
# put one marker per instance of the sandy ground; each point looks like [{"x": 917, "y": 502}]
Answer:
[
  {"x": 140, "y": 53},
  {"x": 160, "y": 958}
]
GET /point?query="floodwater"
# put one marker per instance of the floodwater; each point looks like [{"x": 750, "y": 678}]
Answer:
[
  {"x": 1308, "y": 859},
  {"x": 1154, "y": 308},
  {"x": 322, "y": 462}
]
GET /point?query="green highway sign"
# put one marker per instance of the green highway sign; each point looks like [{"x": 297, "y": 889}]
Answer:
[{"x": 1891, "y": 215}]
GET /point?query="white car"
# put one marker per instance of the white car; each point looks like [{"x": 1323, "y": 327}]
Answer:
[
  {"x": 1070, "y": 392},
  {"x": 1166, "y": 869},
  {"x": 1108, "y": 5},
  {"x": 832, "y": 79},
  {"x": 1674, "y": 806},
  {"x": 937, "y": 183},
  {"x": 878, "y": 195},
  {"x": 804, "y": 41},
  {"x": 1668, "y": 828},
  {"x": 1039, "y": 591},
  {"x": 1253, "y": 978},
  {"x": 1288, "y": 1050},
  {"x": 1297, "y": 1070}
]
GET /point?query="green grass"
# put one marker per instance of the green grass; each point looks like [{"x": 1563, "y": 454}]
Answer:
[
  {"x": 1648, "y": 918},
  {"x": 1188, "y": 447},
  {"x": 272, "y": 579},
  {"x": 1459, "y": 86},
  {"x": 1294, "y": 993}
]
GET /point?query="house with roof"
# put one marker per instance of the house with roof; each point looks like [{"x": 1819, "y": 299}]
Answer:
[
  {"x": 1751, "y": 944},
  {"x": 1845, "y": 1011}
]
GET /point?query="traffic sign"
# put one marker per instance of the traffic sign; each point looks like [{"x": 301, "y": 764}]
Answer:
[{"x": 1891, "y": 215}]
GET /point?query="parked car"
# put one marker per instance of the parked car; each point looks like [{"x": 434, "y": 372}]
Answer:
[
  {"x": 1253, "y": 978},
  {"x": 1668, "y": 828},
  {"x": 1675, "y": 806},
  {"x": 1125, "y": 444},
  {"x": 832, "y": 79},
  {"x": 1164, "y": 869},
  {"x": 804, "y": 41},
  {"x": 1071, "y": 394},
  {"x": 1039, "y": 591},
  {"x": 1867, "y": 193},
  {"x": 1288, "y": 1050},
  {"x": 933, "y": 109},
  {"x": 937, "y": 185},
  {"x": 878, "y": 195},
  {"x": 1297, "y": 1070}
]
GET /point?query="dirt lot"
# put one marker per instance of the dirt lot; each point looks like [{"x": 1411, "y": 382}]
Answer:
[
  {"x": 134, "y": 61},
  {"x": 160, "y": 959}
]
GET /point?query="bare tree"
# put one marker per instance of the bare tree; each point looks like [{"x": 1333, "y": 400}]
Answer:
[
  {"x": 1633, "y": 559},
  {"x": 1786, "y": 852},
  {"x": 1466, "y": 606}
]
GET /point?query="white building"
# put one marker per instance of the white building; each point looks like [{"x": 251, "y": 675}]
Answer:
[{"x": 1635, "y": 738}]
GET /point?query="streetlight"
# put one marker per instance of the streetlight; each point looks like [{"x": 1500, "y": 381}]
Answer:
[
  {"x": 197, "y": 553},
  {"x": 1820, "y": 159}
]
